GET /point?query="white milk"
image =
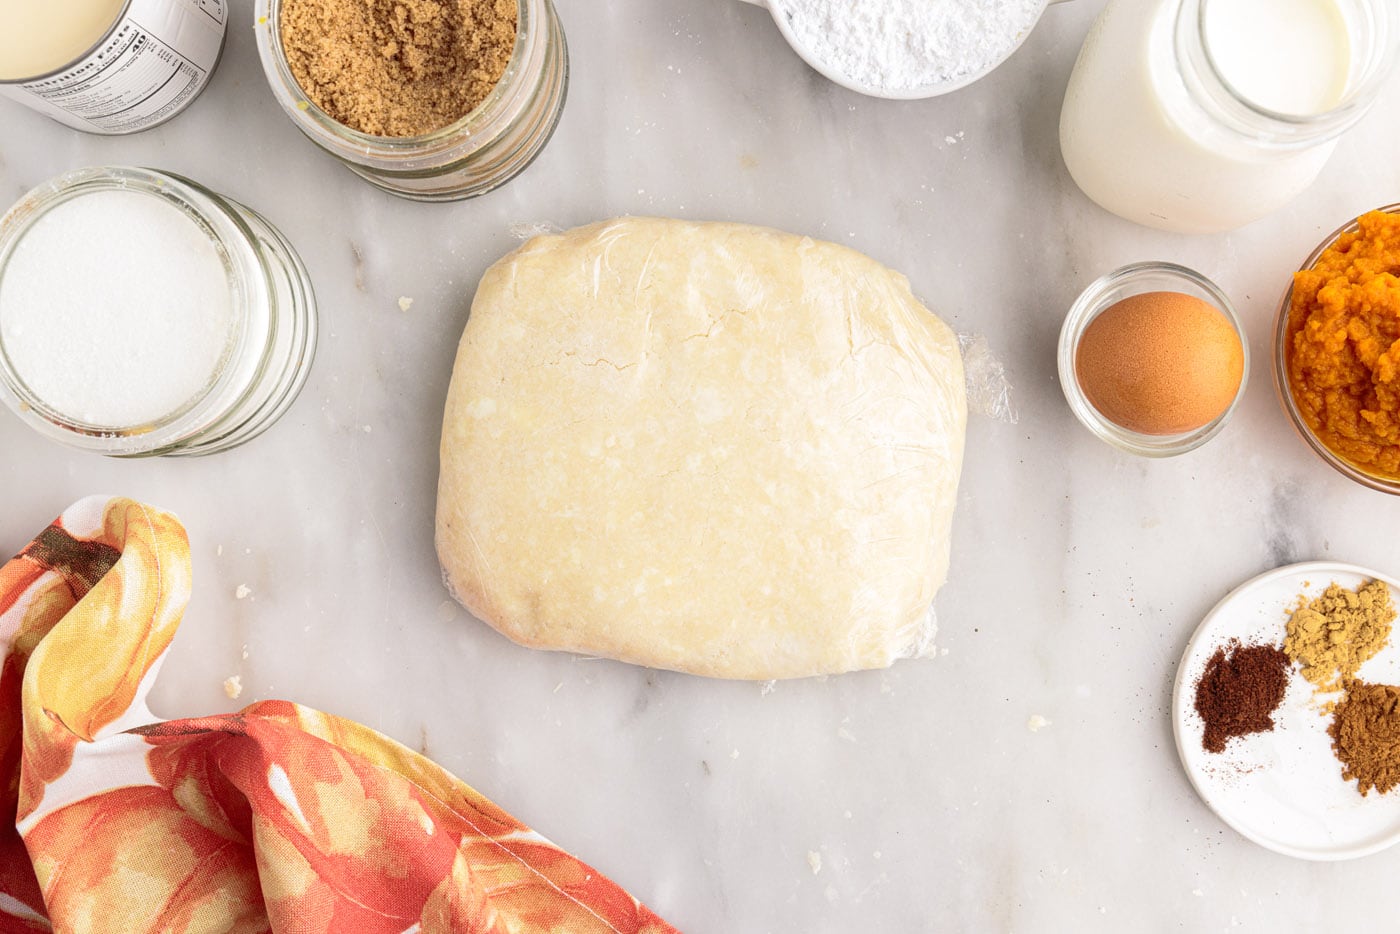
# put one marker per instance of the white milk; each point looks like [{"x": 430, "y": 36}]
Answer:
[
  {"x": 116, "y": 309},
  {"x": 1140, "y": 145},
  {"x": 1288, "y": 56}
]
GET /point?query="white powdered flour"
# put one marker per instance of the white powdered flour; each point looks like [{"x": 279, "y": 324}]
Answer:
[{"x": 908, "y": 45}]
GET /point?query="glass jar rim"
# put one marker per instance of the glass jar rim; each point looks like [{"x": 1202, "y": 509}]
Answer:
[
  {"x": 330, "y": 131},
  {"x": 1285, "y": 391},
  {"x": 230, "y": 236},
  {"x": 1192, "y": 45}
]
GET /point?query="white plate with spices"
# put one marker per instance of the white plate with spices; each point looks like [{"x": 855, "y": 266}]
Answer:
[{"x": 1284, "y": 789}]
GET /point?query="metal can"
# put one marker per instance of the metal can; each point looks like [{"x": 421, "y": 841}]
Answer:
[{"x": 145, "y": 65}]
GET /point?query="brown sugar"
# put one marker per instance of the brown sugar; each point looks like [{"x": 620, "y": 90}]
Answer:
[{"x": 398, "y": 67}]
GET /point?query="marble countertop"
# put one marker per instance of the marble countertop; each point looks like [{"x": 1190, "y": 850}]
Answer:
[{"x": 1078, "y": 572}]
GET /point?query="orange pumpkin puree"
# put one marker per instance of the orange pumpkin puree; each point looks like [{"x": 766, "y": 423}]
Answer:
[{"x": 1343, "y": 350}]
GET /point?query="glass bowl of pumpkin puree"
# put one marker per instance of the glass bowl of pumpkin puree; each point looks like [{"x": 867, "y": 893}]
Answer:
[{"x": 1337, "y": 350}]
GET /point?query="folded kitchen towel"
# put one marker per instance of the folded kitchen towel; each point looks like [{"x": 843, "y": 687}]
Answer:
[{"x": 274, "y": 819}]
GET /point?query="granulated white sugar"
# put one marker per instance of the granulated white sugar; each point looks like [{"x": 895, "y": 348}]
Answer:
[
  {"x": 908, "y": 45},
  {"x": 115, "y": 308}
]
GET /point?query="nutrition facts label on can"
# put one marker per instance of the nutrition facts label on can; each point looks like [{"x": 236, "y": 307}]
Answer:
[
  {"x": 213, "y": 8},
  {"x": 157, "y": 57}
]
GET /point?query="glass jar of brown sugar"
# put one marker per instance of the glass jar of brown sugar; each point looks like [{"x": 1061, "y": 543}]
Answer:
[{"x": 491, "y": 144}]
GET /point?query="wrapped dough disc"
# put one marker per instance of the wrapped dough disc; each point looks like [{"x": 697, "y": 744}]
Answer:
[{"x": 713, "y": 448}]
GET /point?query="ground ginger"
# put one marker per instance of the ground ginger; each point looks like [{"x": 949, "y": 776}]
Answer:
[
  {"x": 1332, "y": 636},
  {"x": 1342, "y": 348}
]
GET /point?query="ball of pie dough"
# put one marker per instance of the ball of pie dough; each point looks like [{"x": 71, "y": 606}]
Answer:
[{"x": 713, "y": 448}]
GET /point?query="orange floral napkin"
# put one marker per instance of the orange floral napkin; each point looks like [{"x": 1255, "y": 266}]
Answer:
[{"x": 273, "y": 819}]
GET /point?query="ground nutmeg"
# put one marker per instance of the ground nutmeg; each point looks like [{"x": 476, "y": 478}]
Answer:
[
  {"x": 1238, "y": 692},
  {"x": 1365, "y": 735}
]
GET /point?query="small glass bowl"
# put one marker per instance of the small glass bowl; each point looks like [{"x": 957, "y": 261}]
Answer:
[
  {"x": 1104, "y": 293},
  {"x": 1285, "y": 394}
]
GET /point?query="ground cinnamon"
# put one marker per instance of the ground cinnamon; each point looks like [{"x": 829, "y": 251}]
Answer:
[
  {"x": 398, "y": 67},
  {"x": 1365, "y": 735},
  {"x": 1238, "y": 692}
]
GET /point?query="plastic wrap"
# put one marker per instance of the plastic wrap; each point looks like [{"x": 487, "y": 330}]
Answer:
[
  {"x": 708, "y": 447},
  {"x": 528, "y": 230},
  {"x": 988, "y": 389}
]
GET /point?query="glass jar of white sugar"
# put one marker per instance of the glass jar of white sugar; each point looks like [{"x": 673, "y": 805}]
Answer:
[
  {"x": 484, "y": 149},
  {"x": 142, "y": 314},
  {"x": 1200, "y": 116}
]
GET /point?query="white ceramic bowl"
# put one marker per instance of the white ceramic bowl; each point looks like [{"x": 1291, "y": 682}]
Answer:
[{"x": 919, "y": 93}]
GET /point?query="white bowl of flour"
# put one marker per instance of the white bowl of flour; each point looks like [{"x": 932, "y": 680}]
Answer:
[{"x": 904, "y": 49}]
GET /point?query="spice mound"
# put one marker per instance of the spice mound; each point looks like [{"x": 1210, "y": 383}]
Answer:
[
  {"x": 1342, "y": 355},
  {"x": 398, "y": 67},
  {"x": 1160, "y": 363},
  {"x": 1238, "y": 692},
  {"x": 1334, "y": 635},
  {"x": 1365, "y": 735}
]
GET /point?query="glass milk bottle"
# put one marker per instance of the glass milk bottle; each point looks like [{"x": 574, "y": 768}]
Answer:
[{"x": 1200, "y": 116}]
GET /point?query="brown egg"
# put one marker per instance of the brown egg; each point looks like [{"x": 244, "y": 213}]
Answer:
[{"x": 1160, "y": 363}]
